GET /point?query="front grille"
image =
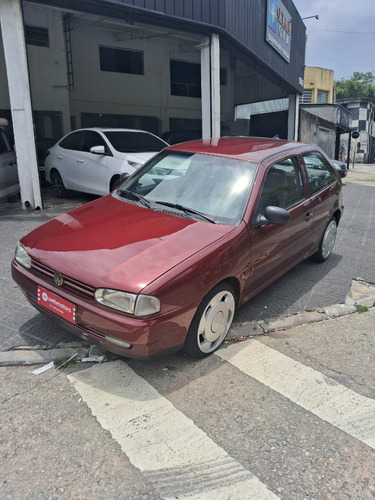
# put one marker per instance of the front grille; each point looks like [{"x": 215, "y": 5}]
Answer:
[{"x": 69, "y": 283}]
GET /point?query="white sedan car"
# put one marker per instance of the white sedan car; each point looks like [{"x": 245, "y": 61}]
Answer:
[{"x": 91, "y": 160}]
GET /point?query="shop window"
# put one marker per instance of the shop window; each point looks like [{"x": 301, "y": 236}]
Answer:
[{"x": 121, "y": 60}]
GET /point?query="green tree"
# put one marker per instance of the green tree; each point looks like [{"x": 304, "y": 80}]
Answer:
[{"x": 359, "y": 86}]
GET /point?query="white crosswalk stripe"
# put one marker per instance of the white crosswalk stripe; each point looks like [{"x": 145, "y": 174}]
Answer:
[
  {"x": 176, "y": 456},
  {"x": 167, "y": 447},
  {"x": 313, "y": 391}
]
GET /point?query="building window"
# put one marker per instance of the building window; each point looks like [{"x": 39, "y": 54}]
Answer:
[
  {"x": 362, "y": 124},
  {"x": 306, "y": 97},
  {"x": 186, "y": 79},
  {"x": 36, "y": 36},
  {"x": 322, "y": 97},
  {"x": 121, "y": 60}
]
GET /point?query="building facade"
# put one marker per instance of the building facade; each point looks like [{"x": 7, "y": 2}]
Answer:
[
  {"x": 157, "y": 65},
  {"x": 362, "y": 149},
  {"x": 318, "y": 86}
]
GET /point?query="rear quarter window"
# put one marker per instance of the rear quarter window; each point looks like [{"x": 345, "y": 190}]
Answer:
[{"x": 319, "y": 172}]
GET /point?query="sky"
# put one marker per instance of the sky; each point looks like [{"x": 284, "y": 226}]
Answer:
[{"x": 343, "y": 38}]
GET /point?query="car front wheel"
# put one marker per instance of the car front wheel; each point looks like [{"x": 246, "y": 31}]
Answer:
[
  {"x": 57, "y": 185},
  {"x": 327, "y": 242},
  {"x": 115, "y": 182},
  {"x": 211, "y": 322}
]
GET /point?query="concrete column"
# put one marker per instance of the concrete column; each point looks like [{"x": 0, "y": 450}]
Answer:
[
  {"x": 215, "y": 85},
  {"x": 206, "y": 87},
  {"x": 293, "y": 117},
  {"x": 20, "y": 101}
]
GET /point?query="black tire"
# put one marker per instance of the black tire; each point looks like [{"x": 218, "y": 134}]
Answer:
[
  {"x": 211, "y": 322},
  {"x": 327, "y": 242},
  {"x": 57, "y": 185}
]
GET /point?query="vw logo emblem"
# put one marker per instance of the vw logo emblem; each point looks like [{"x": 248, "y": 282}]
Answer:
[{"x": 58, "y": 279}]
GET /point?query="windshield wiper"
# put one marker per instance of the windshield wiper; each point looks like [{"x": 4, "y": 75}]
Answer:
[
  {"x": 125, "y": 193},
  {"x": 187, "y": 210}
]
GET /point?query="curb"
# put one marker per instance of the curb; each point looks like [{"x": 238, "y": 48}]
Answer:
[
  {"x": 38, "y": 357},
  {"x": 361, "y": 295}
]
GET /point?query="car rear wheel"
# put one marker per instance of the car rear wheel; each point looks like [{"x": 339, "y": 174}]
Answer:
[
  {"x": 327, "y": 243},
  {"x": 211, "y": 322},
  {"x": 57, "y": 185}
]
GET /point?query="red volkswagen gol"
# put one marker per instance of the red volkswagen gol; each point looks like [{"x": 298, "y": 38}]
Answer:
[{"x": 163, "y": 262}]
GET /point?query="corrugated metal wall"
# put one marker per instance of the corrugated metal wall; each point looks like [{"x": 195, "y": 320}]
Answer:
[{"x": 205, "y": 11}]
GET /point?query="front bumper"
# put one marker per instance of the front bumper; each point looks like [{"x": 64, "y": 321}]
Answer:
[{"x": 148, "y": 336}]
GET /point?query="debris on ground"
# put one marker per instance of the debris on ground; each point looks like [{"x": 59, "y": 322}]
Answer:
[{"x": 42, "y": 369}]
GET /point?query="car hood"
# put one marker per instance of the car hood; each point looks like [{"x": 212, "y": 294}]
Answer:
[{"x": 114, "y": 244}]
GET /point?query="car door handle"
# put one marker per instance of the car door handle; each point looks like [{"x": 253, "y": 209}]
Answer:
[
  {"x": 60, "y": 157},
  {"x": 80, "y": 161},
  {"x": 12, "y": 163},
  {"x": 308, "y": 216}
]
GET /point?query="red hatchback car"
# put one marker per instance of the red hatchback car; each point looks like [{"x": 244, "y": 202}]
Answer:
[{"x": 163, "y": 262}]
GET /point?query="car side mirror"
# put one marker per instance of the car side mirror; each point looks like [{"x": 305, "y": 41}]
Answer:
[
  {"x": 98, "y": 150},
  {"x": 272, "y": 215}
]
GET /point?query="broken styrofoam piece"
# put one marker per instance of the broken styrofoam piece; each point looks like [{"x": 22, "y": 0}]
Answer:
[
  {"x": 92, "y": 359},
  {"x": 42, "y": 369}
]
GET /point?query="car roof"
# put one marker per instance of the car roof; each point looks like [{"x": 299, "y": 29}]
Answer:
[{"x": 254, "y": 149}]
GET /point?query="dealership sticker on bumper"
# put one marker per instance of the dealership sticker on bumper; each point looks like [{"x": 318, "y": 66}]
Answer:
[{"x": 56, "y": 304}]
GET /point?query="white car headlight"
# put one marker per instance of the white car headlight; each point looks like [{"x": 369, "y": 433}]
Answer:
[
  {"x": 22, "y": 256},
  {"x": 139, "y": 305}
]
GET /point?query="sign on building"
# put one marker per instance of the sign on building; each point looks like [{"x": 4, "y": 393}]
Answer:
[{"x": 279, "y": 28}]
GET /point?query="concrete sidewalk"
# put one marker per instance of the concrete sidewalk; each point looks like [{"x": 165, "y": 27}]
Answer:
[{"x": 27, "y": 337}]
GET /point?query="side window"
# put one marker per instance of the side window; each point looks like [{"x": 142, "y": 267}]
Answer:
[
  {"x": 283, "y": 186},
  {"x": 319, "y": 172},
  {"x": 73, "y": 141},
  {"x": 92, "y": 139}
]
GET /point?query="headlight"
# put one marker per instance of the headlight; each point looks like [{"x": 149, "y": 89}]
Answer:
[
  {"x": 139, "y": 305},
  {"x": 21, "y": 256}
]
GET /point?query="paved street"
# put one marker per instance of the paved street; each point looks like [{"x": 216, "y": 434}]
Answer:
[
  {"x": 290, "y": 415},
  {"x": 287, "y": 415}
]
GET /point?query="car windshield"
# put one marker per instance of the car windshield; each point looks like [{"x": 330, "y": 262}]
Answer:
[
  {"x": 134, "y": 142},
  {"x": 199, "y": 186}
]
